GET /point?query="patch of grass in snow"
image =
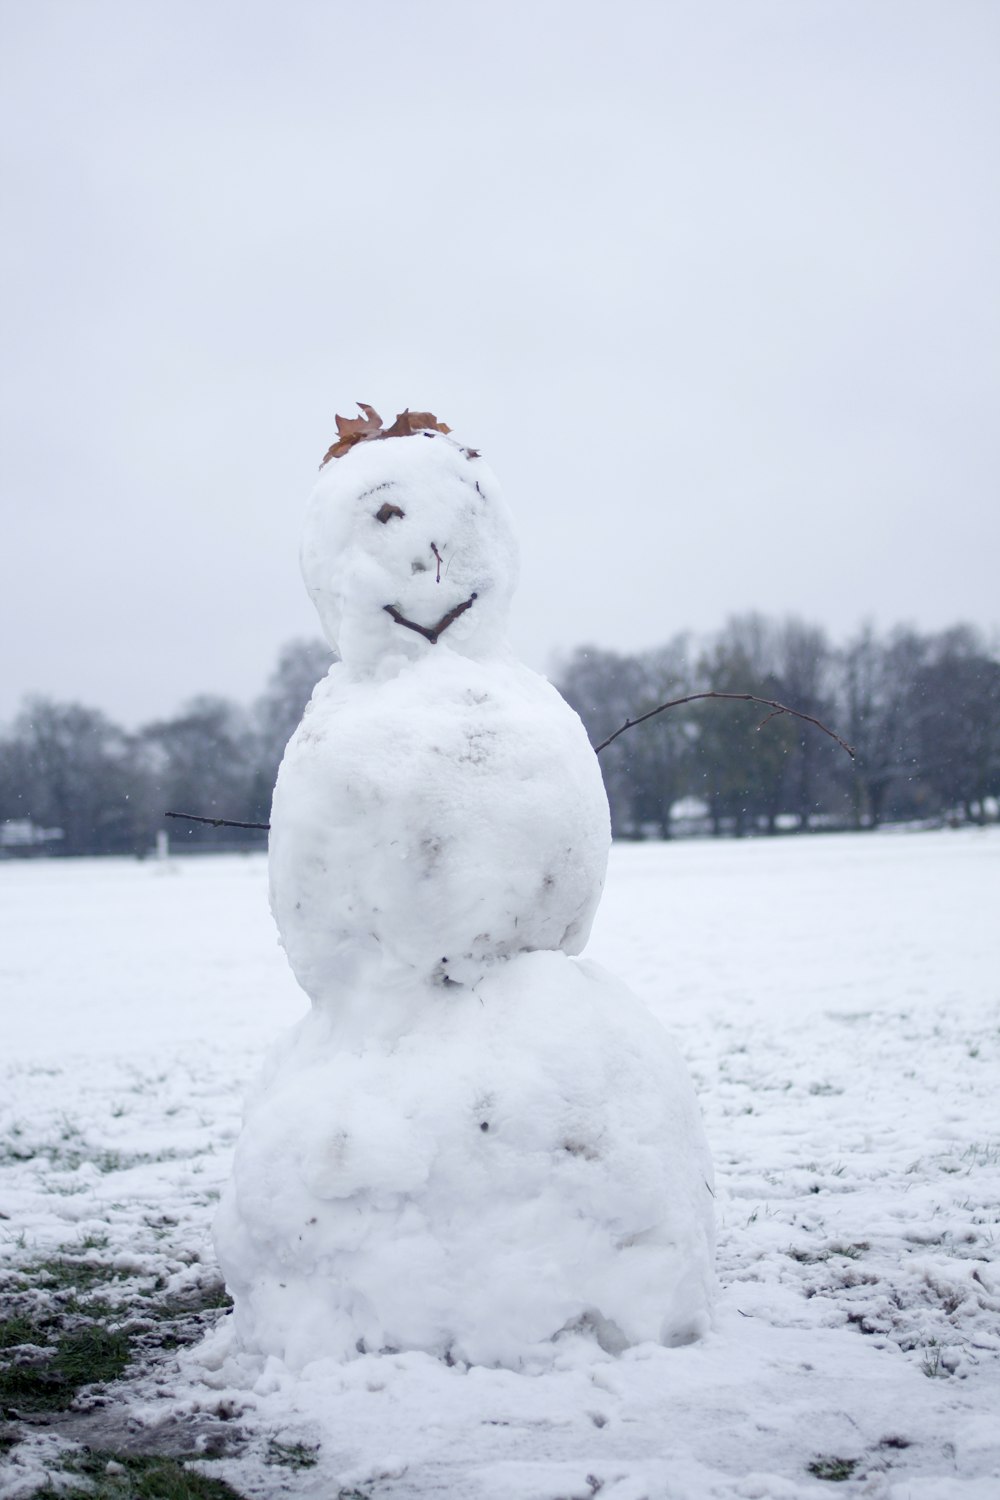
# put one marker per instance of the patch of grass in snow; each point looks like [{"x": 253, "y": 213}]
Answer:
[
  {"x": 173, "y": 1322},
  {"x": 58, "y": 1334},
  {"x": 210, "y": 1298},
  {"x": 982, "y": 1154},
  {"x": 64, "y": 1273},
  {"x": 125, "y": 1476},
  {"x": 815, "y": 1257},
  {"x": 46, "y": 1368},
  {"x": 292, "y": 1455},
  {"x": 938, "y": 1363},
  {"x": 17, "y": 1331},
  {"x": 97, "y": 1241},
  {"x": 834, "y": 1469},
  {"x": 71, "y": 1152}
]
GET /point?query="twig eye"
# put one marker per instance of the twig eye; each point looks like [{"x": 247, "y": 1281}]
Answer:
[{"x": 440, "y": 559}]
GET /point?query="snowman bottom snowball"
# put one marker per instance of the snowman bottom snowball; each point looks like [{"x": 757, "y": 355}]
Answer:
[{"x": 527, "y": 1162}]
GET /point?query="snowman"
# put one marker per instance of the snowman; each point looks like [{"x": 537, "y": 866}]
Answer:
[{"x": 476, "y": 1144}]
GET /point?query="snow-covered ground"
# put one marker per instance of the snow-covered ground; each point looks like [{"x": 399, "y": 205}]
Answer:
[{"x": 838, "y": 1001}]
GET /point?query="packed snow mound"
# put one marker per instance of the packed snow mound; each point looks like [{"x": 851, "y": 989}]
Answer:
[
  {"x": 432, "y": 823},
  {"x": 527, "y": 1159},
  {"x": 416, "y": 524}
]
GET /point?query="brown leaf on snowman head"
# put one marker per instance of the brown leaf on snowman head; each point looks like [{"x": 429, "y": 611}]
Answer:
[
  {"x": 364, "y": 429},
  {"x": 408, "y": 422},
  {"x": 351, "y": 430},
  {"x": 356, "y": 429}
]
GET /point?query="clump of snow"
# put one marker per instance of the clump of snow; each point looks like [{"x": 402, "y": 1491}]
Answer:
[{"x": 526, "y": 1159}]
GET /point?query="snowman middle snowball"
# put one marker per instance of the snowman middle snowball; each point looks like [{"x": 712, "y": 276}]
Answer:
[{"x": 474, "y": 1144}]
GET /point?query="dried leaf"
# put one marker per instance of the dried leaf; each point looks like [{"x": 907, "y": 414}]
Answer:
[
  {"x": 408, "y": 422},
  {"x": 420, "y": 420},
  {"x": 370, "y": 425},
  {"x": 401, "y": 427},
  {"x": 351, "y": 430}
]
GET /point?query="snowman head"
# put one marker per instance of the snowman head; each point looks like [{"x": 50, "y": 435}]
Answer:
[{"x": 408, "y": 548}]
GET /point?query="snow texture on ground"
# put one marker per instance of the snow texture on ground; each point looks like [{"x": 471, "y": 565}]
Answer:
[{"x": 838, "y": 1002}]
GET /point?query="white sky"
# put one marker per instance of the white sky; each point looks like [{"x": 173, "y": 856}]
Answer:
[{"x": 714, "y": 286}]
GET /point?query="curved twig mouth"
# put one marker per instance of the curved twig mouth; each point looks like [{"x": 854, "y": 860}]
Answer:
[{"x": 431, "y": 633}]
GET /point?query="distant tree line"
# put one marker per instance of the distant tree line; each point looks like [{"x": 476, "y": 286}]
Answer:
[
  {"x": 70, "y": 772},
  {"x": 921, "y": 710}
]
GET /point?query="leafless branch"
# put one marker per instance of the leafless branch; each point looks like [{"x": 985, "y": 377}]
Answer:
[
  {"x": 778, "y": 708},
  {"x": 774, "y": 714},
  {"x": 216, "y": 822}
]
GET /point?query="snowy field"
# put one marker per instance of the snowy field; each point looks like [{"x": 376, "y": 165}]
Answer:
[{"x": 838, "y": 1001}]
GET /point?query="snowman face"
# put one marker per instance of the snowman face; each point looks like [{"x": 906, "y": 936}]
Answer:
[{"x": 408, "y": 548}]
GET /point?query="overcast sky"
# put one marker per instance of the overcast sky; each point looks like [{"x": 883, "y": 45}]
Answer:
[{"x": 713, "y": 286}]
